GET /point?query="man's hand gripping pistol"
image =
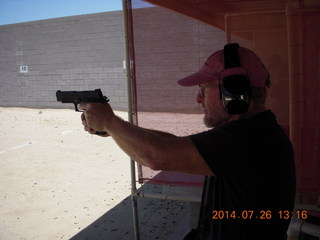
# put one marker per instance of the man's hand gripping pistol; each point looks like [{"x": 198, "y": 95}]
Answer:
[{"x": 77, "y": 97}]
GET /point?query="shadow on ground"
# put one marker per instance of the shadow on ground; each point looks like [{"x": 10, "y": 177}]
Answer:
[{"x": 158, "y": 219}]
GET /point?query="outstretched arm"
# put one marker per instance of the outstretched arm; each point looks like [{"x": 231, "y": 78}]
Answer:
[{"x": 155, "y": 149}]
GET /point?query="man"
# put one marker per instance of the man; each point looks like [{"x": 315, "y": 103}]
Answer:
[{"x": 247, "y": 158}]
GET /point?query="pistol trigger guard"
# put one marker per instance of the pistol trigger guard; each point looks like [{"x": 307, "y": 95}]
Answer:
[
  {"x": 105, "y": 99},
  {"x": 76, "y": 103},
  {"x": 76, "y": 107}
]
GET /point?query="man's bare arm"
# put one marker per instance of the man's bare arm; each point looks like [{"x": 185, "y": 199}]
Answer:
[{"x": 155, "y": 149}]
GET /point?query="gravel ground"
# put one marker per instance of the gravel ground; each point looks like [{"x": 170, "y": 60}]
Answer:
[{"x": 58, "y": 182}]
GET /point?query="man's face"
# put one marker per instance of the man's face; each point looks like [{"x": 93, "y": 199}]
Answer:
[{"x": 214, "y": 112}]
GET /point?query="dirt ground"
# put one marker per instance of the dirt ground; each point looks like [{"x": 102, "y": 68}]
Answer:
[{"x": 58, "y": 182}]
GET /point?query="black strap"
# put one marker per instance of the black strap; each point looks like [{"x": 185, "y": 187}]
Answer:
[{"x": 231, "y": 56}]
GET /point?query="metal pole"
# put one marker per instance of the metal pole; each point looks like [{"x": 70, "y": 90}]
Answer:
[
  {"x": 130, "y": 75},
  {"x": 134, "y": 201}
]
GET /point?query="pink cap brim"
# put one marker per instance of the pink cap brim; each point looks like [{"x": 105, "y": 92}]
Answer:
[{"x": 195, "y": 79}]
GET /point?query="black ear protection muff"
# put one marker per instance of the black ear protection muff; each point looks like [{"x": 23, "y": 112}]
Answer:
[{"x": 235, "y": 89}]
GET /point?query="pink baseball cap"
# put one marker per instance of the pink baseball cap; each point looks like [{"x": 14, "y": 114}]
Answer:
[{"x": 213, "y": 68}]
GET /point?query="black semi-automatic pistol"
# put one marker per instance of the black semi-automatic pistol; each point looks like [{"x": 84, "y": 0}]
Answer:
[{"x": 77, "y": 97}]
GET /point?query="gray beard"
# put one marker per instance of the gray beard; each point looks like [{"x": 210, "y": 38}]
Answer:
[{"x": 217, "y": 122}]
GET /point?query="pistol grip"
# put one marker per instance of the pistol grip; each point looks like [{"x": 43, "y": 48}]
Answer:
[{"x": 101, "y": 133}]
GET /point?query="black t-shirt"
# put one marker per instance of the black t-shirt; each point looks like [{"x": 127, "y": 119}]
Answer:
[{"x": 254, "y": 182}]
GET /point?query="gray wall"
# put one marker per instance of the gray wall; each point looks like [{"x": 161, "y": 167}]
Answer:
[
  {"x": 170, "y": 46},
  {"x": 87, "y": 52},
  {"x": 72, "y": 53}
]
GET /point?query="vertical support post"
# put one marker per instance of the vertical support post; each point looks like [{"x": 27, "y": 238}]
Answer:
[
  {"x": 134, "y": 201},
  {"x": 295, "y": 45},
  {"x": 129, "y": 50}
]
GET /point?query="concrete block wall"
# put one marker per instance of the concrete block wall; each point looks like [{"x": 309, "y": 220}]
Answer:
[
  {"x": 87, "y": 52},
  {"x": 170, "y": 46},
  {"x": 73, "y": 53}
]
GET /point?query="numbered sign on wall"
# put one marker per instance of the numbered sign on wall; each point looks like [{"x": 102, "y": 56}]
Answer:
[{"x": 23, "y": 69}]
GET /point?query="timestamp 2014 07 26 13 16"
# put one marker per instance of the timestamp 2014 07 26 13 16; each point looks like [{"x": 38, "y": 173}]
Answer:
[{"x": 260, "y": 215}]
